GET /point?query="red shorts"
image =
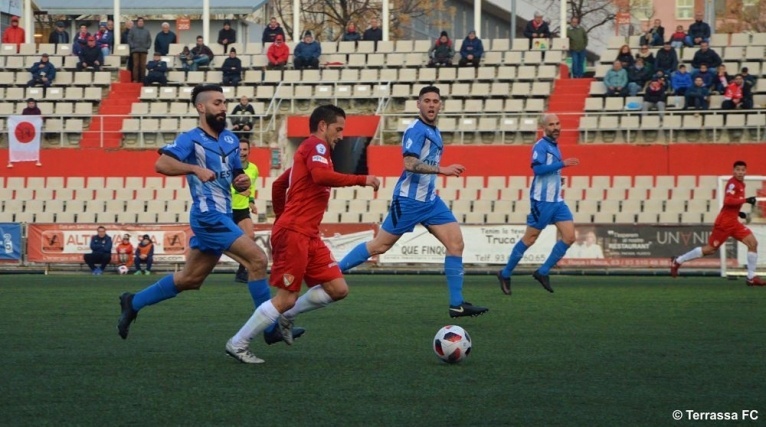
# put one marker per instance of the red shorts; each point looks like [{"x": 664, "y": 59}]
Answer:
[
  {"x": 723, "y": 231},
  {"x": 299, "y": 258}
]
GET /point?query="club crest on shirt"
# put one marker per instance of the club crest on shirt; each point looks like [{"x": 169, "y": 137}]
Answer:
[
  {"x": 228, "y": 139},
  {"x": 408, "y": 144},
  {"x": 321, "y": 149},
  {"x": 288, "y": 279}
]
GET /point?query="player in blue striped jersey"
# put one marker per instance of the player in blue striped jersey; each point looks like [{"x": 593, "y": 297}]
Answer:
[
  {"x": 415, "y": 202},
  {"x": 547, "y": 205}
]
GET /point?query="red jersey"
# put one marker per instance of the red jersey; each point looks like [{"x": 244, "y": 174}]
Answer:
[
  {"x": 733, "y": 199},
  {"x": 309, "y": 180}
]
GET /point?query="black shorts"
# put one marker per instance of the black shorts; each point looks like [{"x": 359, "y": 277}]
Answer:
[{"x": 240, "y": 214}]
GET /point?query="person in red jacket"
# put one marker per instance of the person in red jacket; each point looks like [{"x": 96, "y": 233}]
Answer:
[
  {"x": 734, "y": 97},
  {"x": 125, "y": 252},
  {"x": 278, "y": 53},
  {"x": 14, "y": 34}
]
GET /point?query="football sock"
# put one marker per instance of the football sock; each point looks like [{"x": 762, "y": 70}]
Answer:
[
  {"x": 516, "y": 254},
  {"x": 265, "y": 315},
  {"x": 163, "y": 289},
  {"x": 752, "y": 260},
  {"x": 357, "y": 256},
  {"x": 453, "y": 269},
  {"x": 313, "y": 299},
  {"x": 259, "y": 290},
  {"x": 558, "y": 252},
  {"x": 692, "y": 254}
]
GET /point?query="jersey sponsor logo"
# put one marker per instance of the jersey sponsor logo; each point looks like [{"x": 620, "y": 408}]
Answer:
[
  {"x": 408, "y": 144},
  {"x": 288, "y": 279},
  {"x": 228, "y": 139},
  {"x": 321, "y": 149},
  {"x": 319, "y": 159}
]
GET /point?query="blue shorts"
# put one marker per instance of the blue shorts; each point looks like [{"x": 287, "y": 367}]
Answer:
[
  {"x": 406, "y": 213},
  {"x": 213, "y": 231},
  {"x": 546, "y": 213}
]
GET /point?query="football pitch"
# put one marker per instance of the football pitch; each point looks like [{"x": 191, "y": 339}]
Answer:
[{"x": 599, "y": 351}]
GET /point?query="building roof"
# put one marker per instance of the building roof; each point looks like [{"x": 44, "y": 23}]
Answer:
[{"x": 147, "y": 7}]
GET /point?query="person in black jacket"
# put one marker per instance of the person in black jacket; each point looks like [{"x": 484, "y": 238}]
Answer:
[
  {"x": 90, "y": 56},
  {"x": 60, "y": 35},
  {"x": 164, "y": 39},
  {"x": 101, "y": 247},
  {"x": 232, "y": 69},
  {"x": 272, "y": 30},
  {"x": 242, "y": 117},
  {"x": 698, "y": 31},
  {"x": 155, "y": 71},
  {"x": 374, "y": 33},
  {"x": 227, "y": 35},
  {"x": 537, "y": 29}
]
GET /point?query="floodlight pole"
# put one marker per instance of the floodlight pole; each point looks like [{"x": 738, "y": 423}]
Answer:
[
  {"x": 563, "y": 24},
  {"x": 296, "y": 21},
  {"x": 477, "y": 17},
  {"x": 385, "y": 20},
  {"x": 206, "y": 21},
  {"x": 513, "y": 19},
  {"x": 29, "y": 23},
  {"x": 117, "y": 22}
]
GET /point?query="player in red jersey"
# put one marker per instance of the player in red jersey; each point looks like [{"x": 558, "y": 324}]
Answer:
[
  {"x": 299, "y": 253},
  {"x": 727, "y": 225}
]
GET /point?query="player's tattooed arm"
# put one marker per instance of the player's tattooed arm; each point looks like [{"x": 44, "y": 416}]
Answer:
[{"x": 413, "y": 164}]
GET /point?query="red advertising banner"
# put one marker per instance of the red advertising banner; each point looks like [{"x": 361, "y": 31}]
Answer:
[{"x": 68, "y": 242}]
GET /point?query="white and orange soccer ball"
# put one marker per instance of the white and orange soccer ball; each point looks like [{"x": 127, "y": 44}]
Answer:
[
  {"x": 123, "y": 269},
  {"x": 452, "y": 344}
]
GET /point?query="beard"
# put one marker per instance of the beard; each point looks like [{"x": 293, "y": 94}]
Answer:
[{"x": 216, "y": 122}]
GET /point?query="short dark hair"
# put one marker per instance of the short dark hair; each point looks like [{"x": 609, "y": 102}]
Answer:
[
  {"x": 204, "y": 88},
  {"x": 244, "y": 140},
  {"x": 325, "y": 113},
  {"x": 740, "y": 163},
  {"x": 200, "y": 37},
  {"x": 101, "y": 227},
  {"x": 428, "y": 89}
]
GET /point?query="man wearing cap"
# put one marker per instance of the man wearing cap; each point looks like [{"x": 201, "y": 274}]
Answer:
[
  {"x": 59, "y": 35},
  {"x": 90, "y": 56},
  {"x": 471, "y": 50},
  {"x": 537, "y": 29},
  {"x": 14, "y": 34},
  {"x": 156, "y": 71},
  {"x": 278, "y": 53},
  {"x": 232, "y": 69},
  {"x": 104, "y": 40},
  {"x": 307, "y": 53},
  {"x": 43, "y": 72},
  {"x": 140, "y": 40},
  {"x": 31, "y": 109},
  {"x": 144, "y": 255},
  {"x": 227, "y": 35},
  {"x": 164, "y": 39}
]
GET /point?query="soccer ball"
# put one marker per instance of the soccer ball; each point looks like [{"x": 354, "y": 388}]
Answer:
[
  {"x": 123, "y": 269},
  {"x": 452, "y": 344}
]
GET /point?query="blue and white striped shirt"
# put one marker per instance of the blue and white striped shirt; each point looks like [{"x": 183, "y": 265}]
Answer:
[
  {"x": 424, "y": 142},
  {"x": 220, "y": 155},
  {"x": 546, "y": 185}
]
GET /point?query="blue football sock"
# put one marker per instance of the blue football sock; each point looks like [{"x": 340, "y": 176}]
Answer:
[
  {"x": 164, "y": 289},
  {"x": 259, "y": 290},
  {"x": 357, "y": 256},
  {"x": 453, "y": 268},
  {"x": 516, "y": 254},
  {"x": 558, "y": 252}
]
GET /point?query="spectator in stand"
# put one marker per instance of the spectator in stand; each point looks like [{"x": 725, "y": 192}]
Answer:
[
  {"x": 14, "y": 34},
  {"x": 680, "y": 81},
  {"x": 90, "y": 56},
  {"x": 698, "y": 31},
  {"x": 43, "y": 72},
  {"x": 537, "y": 29},
  {"x": 144, "y": 255},
  {"x": 697, "y": 96},
  {"x": 125, "y": 252},
  {"x": 101, "y": 252},
  {"x": 156, "y": 69},
  {"x": 722, "y": 79},
  {"x": 164, "y": 39},
  {"x": 638, "y": 76},
  {"x": 578, "y": 42},
  {"x": 667, "y": 59},
  {"x": 110, "y": 28},
  {"x": 186, "y": 58},
  {"x": 662, "y": 78},
  {"x": 351, "y": 35},
  {"x": 735, "y": 97},
  {"x": 80, "y": 40},
  {"x": 648, "y": 57},
  {"x": 706, "y": 56},
  {"x": 307, "y": 53},
  {"x": 616, "y": 80},
  {"x": 625, "y": 56},
  {"x": 242, "y": 118},
  {"x": 31, "y": 109},
  {"x": 441, "y": 52},
  {"x": 374, "y": 33},
  {"x": 749, "y": 82},
  {"x": 678, "y": 39},
  {"x": 227, "y": 36},
  {"x": 654, "y": 36},
  {"x": 140, "y": 41},
  {"x": 59, "y": 35},
  {"x": 278, "y": 53},
  {"x": 707, "y": 76},
  {"x": 232, "y": 69},
  {"x": 272, "y": 30},
  {"x": 201, "y": 55},
  {"x": 124, "y": 40},
  {"x": 471, "y": 51},
  {"x": 654, "y": 97},
  {"x": 104, "y": 40}
]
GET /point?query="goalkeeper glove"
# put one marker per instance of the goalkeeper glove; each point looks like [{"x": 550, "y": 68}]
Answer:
[
  {"x": 743, "y": 215},
  {"x": 750, "y": 200}
]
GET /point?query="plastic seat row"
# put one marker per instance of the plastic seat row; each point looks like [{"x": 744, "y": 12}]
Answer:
[{"x": 63, "y": 78}]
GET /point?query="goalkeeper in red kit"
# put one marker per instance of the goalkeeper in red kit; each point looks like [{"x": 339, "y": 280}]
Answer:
[
  {"x": 727, "y": 225},
  {"x": 299, "y": 253}
]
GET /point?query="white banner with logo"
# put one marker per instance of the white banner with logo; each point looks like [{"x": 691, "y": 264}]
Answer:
[
  {"x": 489, "y": 244},
  {"x": 24, "y": 138}
]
